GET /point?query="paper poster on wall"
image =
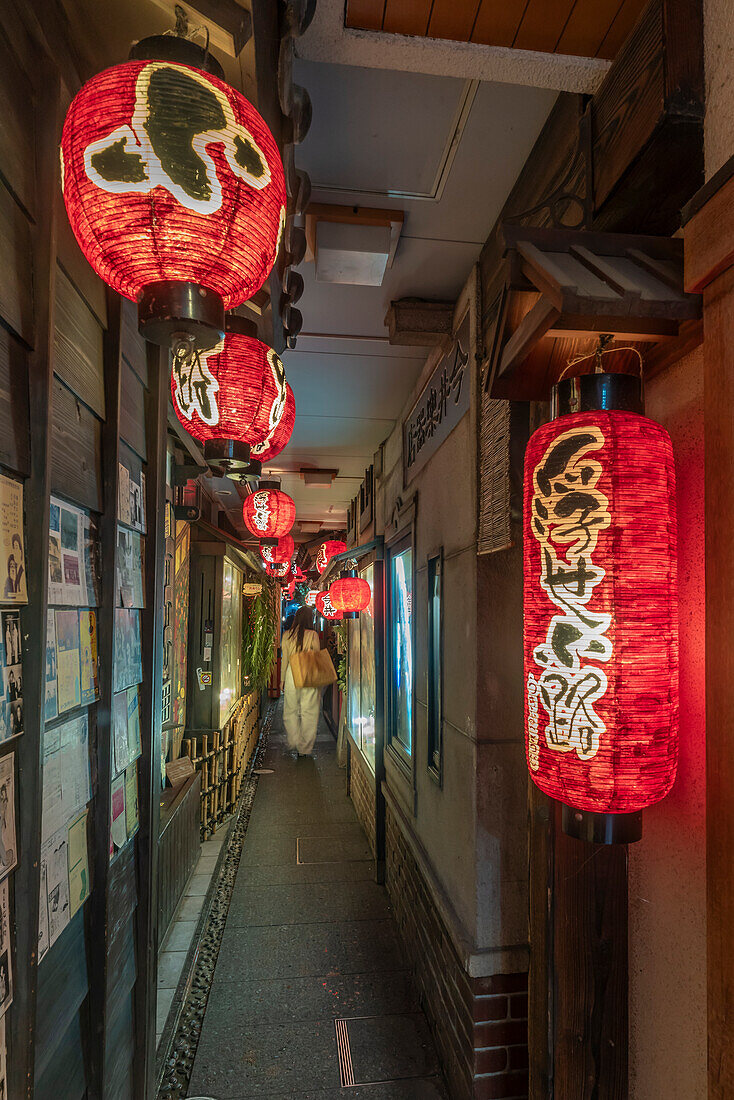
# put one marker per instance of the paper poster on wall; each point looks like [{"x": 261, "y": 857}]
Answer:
[
  {"x": 88, "y": 651},
  {"x": 12, "y": 547},
  {"x": 132, "y": 814},
  {"x": 133, "y": 724},
  {"x": 118, "y": 824},
  {"x": 66, "y": 774},
  {"x": 123, "y": 494},
  {"x": 68, "y": 672},
  {"x": 78, "y": 864},
  {"x": 90, "y": 558},
  {"x": 71, "y": 562},
  {"x": 119, "y": 721},
  {"x": 128, "y": 660},
  {"x": 73, "y": 556},
  {"x": 11, "y": 705},
  {"x": 8, "y": 845},
  {"x": 51, "y": 704},
  {"x": 55, "y": 876},
  {"x": 43, "y": 914},
  {"x": 130, "y": 568},
  {"x": 6, "y": 972}
]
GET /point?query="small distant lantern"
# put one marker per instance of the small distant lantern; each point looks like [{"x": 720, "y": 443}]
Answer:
[
  {"x": 326, "y": 608},
  {"x": 601, "y": 614},
  {"x": 281, "y": 552},
  {"x": 277, "y": 439},
  {"x": 268, "y": 514},
  {"x": 311, "y": 597},
  {"x": 174, "y": 188},
  {"x": 326, "y": 552},
  {"x": 278, "y": 569},
  {"x": 350, "y": 594},
  {"x": 231, "y": 397}
]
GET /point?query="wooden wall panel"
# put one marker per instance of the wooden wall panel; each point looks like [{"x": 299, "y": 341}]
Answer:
[
  {"x": 453, "y": 19},
  {"x": 65, "y": 1075},
  {"x": 76, "y": 449},
  {"x": 497, "y": 24},
  {"x": 542, "y": 25},
  {"x": 16, "y": 272},
  {"x": 62, "y": 989},
  {"x": 133, "y": 345},
  {"x": 77, "y": 268},
  {"x": 178, "y": 850},
  {"x": 403, "y": 18},
  {"x": 78, "y": 345},
  {"x": 588, "y": 26},
  {"x": 17, "y": 129},
  {"x": 14, "y": 417},
  {"x": 132, "y": 411}
]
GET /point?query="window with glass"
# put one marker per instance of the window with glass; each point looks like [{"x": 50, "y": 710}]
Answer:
[
  {"x": 367, "y": 698},
  {"x": 435, "y": 749},
  {"x": 401, "y": 649}
]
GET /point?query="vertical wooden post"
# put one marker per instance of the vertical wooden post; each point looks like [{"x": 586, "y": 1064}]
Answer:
[
  {"x": 149, "y": 771},
  {"x": 29, "y": 748}
]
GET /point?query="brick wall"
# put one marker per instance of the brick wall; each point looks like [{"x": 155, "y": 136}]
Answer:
[
  {"x": 479, "y": 1024},
  {"x": 362, "y": 793}
]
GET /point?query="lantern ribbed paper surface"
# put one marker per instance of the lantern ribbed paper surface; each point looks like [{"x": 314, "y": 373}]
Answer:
[
  {"x": 269, "y": 513},
  {"x": 168, "y": 173},
  {"x": 235, "y": 391},
  {"x": 350, "y": 594},
  {"x": 278, "y": 438},
  {"x": 325, "y": 607},
  {"x": 277, "y": 569},
  {"x": 600, "y": 616},
  {"x": 282, "y": 552},
  {"x": 327, "y": 551}
]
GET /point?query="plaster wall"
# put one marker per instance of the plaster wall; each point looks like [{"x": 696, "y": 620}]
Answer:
[
  {"x": 667, "y": 868},
  {"x": 718, "y": 44}
]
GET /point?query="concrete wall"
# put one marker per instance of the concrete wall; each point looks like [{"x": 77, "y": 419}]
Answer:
[{"x": 667, "y": 868}]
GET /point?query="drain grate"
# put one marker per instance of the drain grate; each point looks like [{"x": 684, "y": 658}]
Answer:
[{"x": 346, "y": 1070}]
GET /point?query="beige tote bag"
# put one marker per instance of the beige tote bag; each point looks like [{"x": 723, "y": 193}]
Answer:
[{"x": 312, "y": 668}]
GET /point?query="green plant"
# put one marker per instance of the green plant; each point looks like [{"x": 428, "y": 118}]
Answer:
[
  {"x": 259, "y": 631},
  {"x": 342, "y": 645}
]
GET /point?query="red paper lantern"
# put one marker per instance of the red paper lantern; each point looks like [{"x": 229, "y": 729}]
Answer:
[
  {"x": 232, "y": 396},
  {"x": 269, "y": 514},
  {"x": 601, "y": 620},
  {"x": 350, "y": 594},
  {"x": 277, "y": 569},
  {"x": 311, "y": 597},
  {"x": 171, "y": 176},
  {"x": 327, "y": 550},
  {"x": 326, "y": 608},
  {"x": 278, "y": 438},
  {"x": 281, "y": 552}
]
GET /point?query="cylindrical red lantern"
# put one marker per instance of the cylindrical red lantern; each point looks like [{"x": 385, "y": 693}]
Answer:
[
  {"x": 326, "y": 608},
  {"x": 281, "y": 552},
  {"x": 231, "y": 397},
  {"x": 600, "y": 617},
  {"x": 174, "y": 189},
  {"x": 350, "y": 594},
  {"x": 277, "y": 439},
  {"x": 327, "y": 550},
  {"x": 268, "y": 515}
]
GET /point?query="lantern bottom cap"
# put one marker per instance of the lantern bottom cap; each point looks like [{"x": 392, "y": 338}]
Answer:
[
  {"x": 252, "y": 470},
  {"x": 268, "y": 542},
  {"x": 232, "y": 454},
  {"x": 171, "y": 308},
  {"x": 601, "y": 828},
  {"x": 350, "y": 614}
]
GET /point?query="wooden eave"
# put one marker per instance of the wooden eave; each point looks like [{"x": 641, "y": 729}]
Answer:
[{"x": 564, "y": 288}]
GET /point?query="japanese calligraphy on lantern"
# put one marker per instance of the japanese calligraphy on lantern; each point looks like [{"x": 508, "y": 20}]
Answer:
[
  {"x": 441, "y": 405},
  {"x": 568, "y": 513}
]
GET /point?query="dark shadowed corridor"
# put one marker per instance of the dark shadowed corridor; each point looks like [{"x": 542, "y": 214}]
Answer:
[{"x": 310, "y": 992}]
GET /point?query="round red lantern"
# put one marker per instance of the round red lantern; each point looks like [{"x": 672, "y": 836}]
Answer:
[
  {"x": 268, "y": 514},
  {"x": 600, "y": 617},
  {"x": 277, "y": 439},
  {"x": 326, "y": 608},
  {"x": 232, "y": 396},
  {"x": 327, "y": 550},
  {"x": 278, "y": 569},
  {"x": 174, "y": 188},
  {"x": 281, "y": 552},
  {"x": 350, "y": 594}
]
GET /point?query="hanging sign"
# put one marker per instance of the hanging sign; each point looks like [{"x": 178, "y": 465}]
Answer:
[
  {"x": 251, "y": 589},
  {"x": 441, "y": 405}
]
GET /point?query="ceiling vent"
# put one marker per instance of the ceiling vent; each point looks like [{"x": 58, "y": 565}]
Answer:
[
  {"x": 351, "y": 244},
  {"x": 308, "y": 528},
  {"x": 315, "y": 477}
]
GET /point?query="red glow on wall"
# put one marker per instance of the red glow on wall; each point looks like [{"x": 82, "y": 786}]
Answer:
[
  {"x": 269, "y": 513},
  {"x": 350, "y": 594},
  {"x": 281, "y": 552},
  {"x": 601, "y": 614},
  {"x": 327, "y": 550},
  {"x": 235, "y": 391},
  {"x": 278, "y": 438},
  {"x": 168, "y": 173},
  {"x": 325, "y": 607}
]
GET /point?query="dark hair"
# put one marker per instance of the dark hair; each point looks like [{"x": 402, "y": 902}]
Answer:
[
  {"x": 288, "y": 622},
  {"x": 302, "y": 621}
]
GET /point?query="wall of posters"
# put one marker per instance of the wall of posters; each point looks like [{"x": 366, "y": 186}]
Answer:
[
  {"x": 128, "y": 658},
  {"x": 51, "y": 705},
  {"x": 131, "y": 498},
  {"x": 8, "y": 845},
  {"x": 78, "y": 864},
  {"x": 11, "y": 707},
  {"x": 130, "y": 568},
  {"x": 88, "y": 651},
  {"x": 126, "y": 728},
  {"x": 73, "y": 556},
  {"x": 6, "y": 973},
  {"x": 68, "y": 661},
  {"x": 118, "y": 824},
  {"x": 12, "y": 546}
]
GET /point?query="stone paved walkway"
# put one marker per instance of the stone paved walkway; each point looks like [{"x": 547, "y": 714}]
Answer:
[{"x": 310, "y": 941}]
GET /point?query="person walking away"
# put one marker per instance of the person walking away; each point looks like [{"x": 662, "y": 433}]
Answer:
[{"x": 301, "y": 707}]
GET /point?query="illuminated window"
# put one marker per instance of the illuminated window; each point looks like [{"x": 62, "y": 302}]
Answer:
[
  {"x": 401, "y": 649},
  {"x": 435, "y": 663}
]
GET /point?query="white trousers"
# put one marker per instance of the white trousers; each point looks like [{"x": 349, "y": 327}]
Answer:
[{"x": 301, "y": 708}]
